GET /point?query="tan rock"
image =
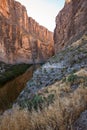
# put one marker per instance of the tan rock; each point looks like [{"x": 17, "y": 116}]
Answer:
[{"x": 22, "y": 39}]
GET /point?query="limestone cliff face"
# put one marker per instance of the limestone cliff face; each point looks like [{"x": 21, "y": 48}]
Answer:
[
  {"x": 71, "y": 23},
  {"x": 22, "y": 39}
]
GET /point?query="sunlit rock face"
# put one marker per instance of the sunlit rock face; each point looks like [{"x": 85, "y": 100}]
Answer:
[
  {"x": 4, "y": 9},
  {"x": 71, "y": 23},
  {"x": 67, "y": 1},
  {"x": 22, "y": 39}
]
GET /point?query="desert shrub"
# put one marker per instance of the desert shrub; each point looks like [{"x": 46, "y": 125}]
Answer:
[
  {"x": 34, "y": 103},
  {"x": 38, "y": 101},
  {"x": 59, "y": 116},
  {"x": 72, "y": 78},
  {"x": 50, "y": 98}
]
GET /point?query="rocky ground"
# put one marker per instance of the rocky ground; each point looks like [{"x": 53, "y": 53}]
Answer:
[
  {"x": 81, "y": 123},
  {"x": 67, "y": 61},
  {"x": 55, "y": 107},
  {"x": 56, "y": 94}
]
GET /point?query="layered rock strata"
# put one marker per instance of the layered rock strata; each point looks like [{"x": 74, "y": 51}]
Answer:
[{"x": 22, "y": 39}]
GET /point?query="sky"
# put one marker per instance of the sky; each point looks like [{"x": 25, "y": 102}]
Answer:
[{"x": 43, "y": 11}]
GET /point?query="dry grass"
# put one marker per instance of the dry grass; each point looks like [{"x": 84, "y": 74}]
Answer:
[
  {"x": 64, "y": 87},
  {"x": 58, "y": 116},
  {"x": 80, "y": 41}
]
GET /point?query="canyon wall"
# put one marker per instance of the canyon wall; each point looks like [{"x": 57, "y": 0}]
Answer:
[
  {"x": 71, "y": 23},
  {"x": 22, "y": 39}
]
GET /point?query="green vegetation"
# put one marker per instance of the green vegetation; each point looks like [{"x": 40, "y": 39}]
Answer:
[
  {"x": 34, "y": 103},
  {"x": 72, "y": 78},
  {"x": 50, "y": 98},
  {"x": 59, "y": 116},
  {"x": 12, "y": 72},
  {"x": 38, "y": 101}
]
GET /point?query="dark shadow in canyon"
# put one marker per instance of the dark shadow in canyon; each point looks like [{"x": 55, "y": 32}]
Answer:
[{"x": 11, "y": 90}]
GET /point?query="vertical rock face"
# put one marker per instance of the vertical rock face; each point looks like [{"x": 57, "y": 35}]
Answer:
[
  {"x": 71, "y": 23},
  {"x": 22, "y": 39},
  {"x": 4, "y": 7}
]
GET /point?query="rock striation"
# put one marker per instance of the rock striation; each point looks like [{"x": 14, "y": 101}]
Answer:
[
  {"x": 22, "y": 39},
  {"x": 71, "y": 23}
]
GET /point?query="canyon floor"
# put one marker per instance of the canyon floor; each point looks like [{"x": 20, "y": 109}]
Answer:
[
  {"x": 56, "y": 96},
  {"x": 53, "y": 95}
]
